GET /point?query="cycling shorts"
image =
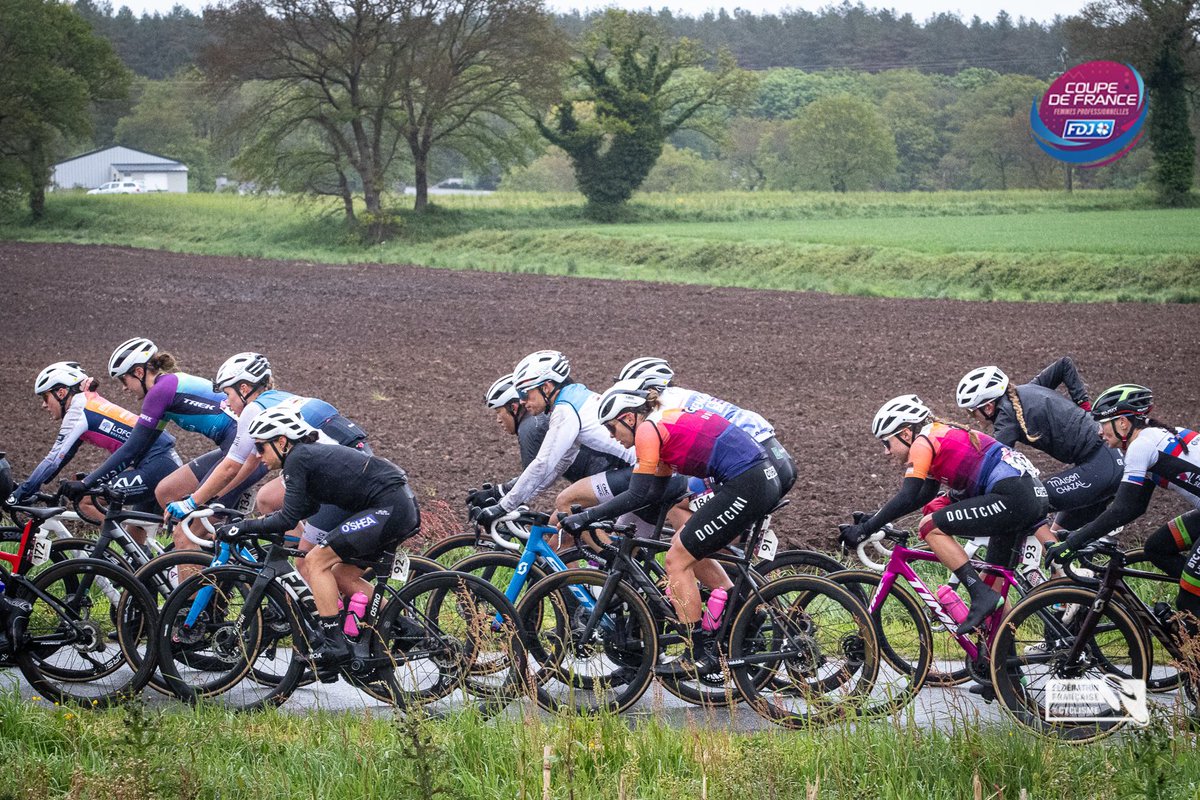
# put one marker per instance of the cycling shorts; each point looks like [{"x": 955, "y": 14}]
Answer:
[
  {"x": 1009, "y": 511},
  {"x": 369, "y": 534},
  {"x": 735, "y": 505}
]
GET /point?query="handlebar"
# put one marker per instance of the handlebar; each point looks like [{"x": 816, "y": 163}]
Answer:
[
  {"x": 888, "y": 532},
  {"x": 202, "y": 515}
]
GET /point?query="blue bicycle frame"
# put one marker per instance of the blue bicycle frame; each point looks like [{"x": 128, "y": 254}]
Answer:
[
  {"x": 535, "y": 548},
  {"x": 220, "y": 558}
]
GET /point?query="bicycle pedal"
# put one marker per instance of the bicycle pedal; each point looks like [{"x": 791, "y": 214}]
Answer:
[{"x": 987, "y": 693}]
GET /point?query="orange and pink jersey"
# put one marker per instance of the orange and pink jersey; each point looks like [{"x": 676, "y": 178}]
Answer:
[
  {"x": 699, "y": 443},
  {"x": 948, "y": 455}
]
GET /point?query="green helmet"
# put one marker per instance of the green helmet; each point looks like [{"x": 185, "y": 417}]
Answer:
[{"x": 1123, "y": 400}]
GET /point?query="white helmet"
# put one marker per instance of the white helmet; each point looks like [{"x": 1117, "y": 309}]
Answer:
[
  {"x": 61, "y": 373},
  {"x": 654, "y": 373},
  {"x": 620, "y": 397},
  {"x": 279, "y": 421},
  {"x": 979, "y": 386},
  {"x": 537, "y": 368},
  {"x": 898, "y": 413},
  {"x": 133, "y": 353},
  {"x": 501, "y": 393},
  {"x": 253, "y": 368}
]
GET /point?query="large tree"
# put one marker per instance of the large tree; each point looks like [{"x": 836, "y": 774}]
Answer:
[
  {"x": 839, "y": 143},
  {"x": 633, "y": 90},
  {"x": 52, "y": 68},
  {"x": 365, "y": 80},
  {"x": 1162, "y": 39}
]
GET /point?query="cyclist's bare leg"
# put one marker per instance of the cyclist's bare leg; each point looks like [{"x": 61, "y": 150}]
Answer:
[
  {"x": 321, "y": 561},
  {"x": 270, "y": 497},
  {"x": 681, "y": 580},
  {"x": 176, "y": 486},
  {"x": 350, "y": 580}
]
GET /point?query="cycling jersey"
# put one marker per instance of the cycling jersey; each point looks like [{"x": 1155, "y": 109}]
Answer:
[
  {"x": 1158, "y": 454},
  {"x": 947, "y": 454},
  {"x": 573, "y": 424},
  {"x": 92, "y": 419},
  {"x": 315, "y": 412},
  {"x": 701, "y": 443},
  {"x": 1057, "y": 426},
  {"x": 188, "y": 401},
  {"x": 532, "y": 431},
  {"x": 331, "y": 475},
  {"x": 686, "y": 399}
]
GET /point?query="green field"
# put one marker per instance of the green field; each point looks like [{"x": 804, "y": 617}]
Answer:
[
  {"x": 132, "y": 753},
  {"x": 1082, "y": 247}
]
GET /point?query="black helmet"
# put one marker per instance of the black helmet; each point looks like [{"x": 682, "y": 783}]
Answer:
[{"x": 1123, "y": 400}]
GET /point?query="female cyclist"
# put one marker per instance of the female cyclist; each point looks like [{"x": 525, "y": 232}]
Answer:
[
  {"x": 246, "y": 381},
  {"x": 1037, "y": 415},
  {"x": 697, "y": 443},
  {"x": 379, "y": 512},
  {"x": 169, "y": 396},
  {"x": 543, "y": 382},
  {"x": 68, "y": 394},
  {"x": 1156, "y": 454},
  {"x": 996, "y": 493}
]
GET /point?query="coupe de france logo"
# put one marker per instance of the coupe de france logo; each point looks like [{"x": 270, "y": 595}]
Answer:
[{"x": 1091, "y": 115}]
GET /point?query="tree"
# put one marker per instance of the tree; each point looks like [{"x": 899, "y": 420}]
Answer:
[
  {"x": 634, "y": 90},
  {"x": 52, "y": 68},
  {"x": 363, "y": 80},
  {"x": 171, "y": 118},
  {"x": 839, "y": 143},
  {"x": 1160, "y": 38}
]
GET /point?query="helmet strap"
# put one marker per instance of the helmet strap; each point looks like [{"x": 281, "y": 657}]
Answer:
[
  {"x": 281, "y": 456},
  {"x": 516, "y": 410},
  {"x": 631, "y": 428},
  {"x": 245, "y": 398},
  {"x": 551, "y": 398},
  {"x": 142, "y": 380},
  {"x": 995, "y": 411}
]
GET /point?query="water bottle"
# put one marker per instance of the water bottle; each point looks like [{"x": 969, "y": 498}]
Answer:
[
  {"x": 712, "y": 612},
  {"x": 354, "y": 612},
  {"x": 953, "y": 604}
]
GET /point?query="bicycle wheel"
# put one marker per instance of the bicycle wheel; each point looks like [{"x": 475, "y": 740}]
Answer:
[
  {"x": 211, "y": 658},
  {"x": 1031, "y": 650},
  {"x": 82, "y": 647},
  {"x": 498, "y": 568},
  {"x": 161, "y": 578},
  {"x": 444, "y": 632},
  {"x": 905, "y": 641},
  {"x": 1164, "y": 673},
  {"x": 817, "y": 644},
  {"x": 452, "y": 549},
  {"x": 798, "y": 562},
  {"x": 610, "y": 668}
]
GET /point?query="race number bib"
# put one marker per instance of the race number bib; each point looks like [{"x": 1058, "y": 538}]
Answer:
[
  {"x": 768, "y": 544},
  {"x": 41, "y": 549},
  {"x": 1019, "y": 462},
  {"x": 400, "y": 568}
]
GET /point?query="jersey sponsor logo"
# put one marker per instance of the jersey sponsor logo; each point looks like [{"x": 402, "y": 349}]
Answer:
[
  {"x": 975, "y": 512},
  {"x": 722, "y": 520},
  {"x": 198, "y": 404},
  {"x": 128, "y": 481},
  {"x": 359, "y": 524},
  {"x": 106, "y": 426},
  {"x": 1040, "y": 491},
  {"x": 1061, "y": 484},
  {"x": 770, "y": 471},
  {"x": 146, "y": 419}
]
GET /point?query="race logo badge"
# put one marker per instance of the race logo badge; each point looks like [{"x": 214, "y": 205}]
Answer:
[
  {"x": 1091, "y": 115},
  {"x": 1106, "y": 699}
]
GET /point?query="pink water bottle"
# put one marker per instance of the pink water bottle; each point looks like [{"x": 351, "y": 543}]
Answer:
[
  {"x": 712, "y": 612},
  {"x": 953, "y": 604},
  {"x": 358, "y": 607}
]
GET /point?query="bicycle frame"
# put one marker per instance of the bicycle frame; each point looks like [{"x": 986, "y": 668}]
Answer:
[
  {"x": 898, "y": 567},
  {"x": 535, "y": 548}
]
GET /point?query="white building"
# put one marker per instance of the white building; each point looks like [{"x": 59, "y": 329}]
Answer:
[{"x": 87, "y": 171}]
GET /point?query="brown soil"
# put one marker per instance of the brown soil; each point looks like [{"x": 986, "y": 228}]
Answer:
[{"x": 407, "y": 352}]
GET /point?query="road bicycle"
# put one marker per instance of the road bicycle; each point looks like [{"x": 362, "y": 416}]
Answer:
[{"x": 70, "y": 641}]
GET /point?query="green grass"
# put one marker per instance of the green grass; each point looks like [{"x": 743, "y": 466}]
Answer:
[
  {"x": 51, "y": 752},
  {"x": 1086, "y": 246}
]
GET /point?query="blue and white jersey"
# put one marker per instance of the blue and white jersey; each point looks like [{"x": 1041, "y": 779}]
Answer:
[
  {"x": 754, "y": 424},
  {"x": 315, "y": 412},
  {"x": 574, "y": 423}
]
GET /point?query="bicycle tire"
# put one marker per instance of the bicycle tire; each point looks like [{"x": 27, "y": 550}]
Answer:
[
  {"x": 453, "y": 548},
  {"x": 87, "y": 616},
  {"x": 798, "y": 562},
  {"x": 497, "y": 568},
  {"x": 1035, "y": 634},
  {"x": 832, "y": 659}
]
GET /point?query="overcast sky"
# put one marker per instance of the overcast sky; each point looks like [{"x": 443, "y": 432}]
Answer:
[{"x": 1043, "y": 10}]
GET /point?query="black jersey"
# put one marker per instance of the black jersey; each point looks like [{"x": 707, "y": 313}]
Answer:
[{"x": 1057, "y": 426}]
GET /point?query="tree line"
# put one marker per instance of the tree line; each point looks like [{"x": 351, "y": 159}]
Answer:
[{"x": 348, "y": 98}]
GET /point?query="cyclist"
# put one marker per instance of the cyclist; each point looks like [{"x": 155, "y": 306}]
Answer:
[
  {"x": 68, "y": 394},
  {"x": 379, "y": 512},
  {"x": 997, "y": 493},
  {"x": 656, "y": 373},
  {"x": 1037, "y": 415},
  {"x": 695, "y": 442},
  {"x": 169, "y": 396},
  {"x": 543, "y": 382},
  {"x": 1156, "y": 454},
  {"x": 530, "y": 430},
  {"x": 246, "y": 381}
]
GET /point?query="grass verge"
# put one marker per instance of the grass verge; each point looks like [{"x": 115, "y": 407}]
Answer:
[
  {"x": 1045, "y": 246},
  {"x": 186, "y": 753}
]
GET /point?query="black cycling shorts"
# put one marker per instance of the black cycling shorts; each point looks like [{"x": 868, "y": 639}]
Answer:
[
  {"x": 783, "y": 463},
  {"x": 346, "y": 433},
  {"x": 1081, "y": 492},
  {"x": 369, "y": 534},
  {"x": 1009, "y": 511},
  {"x": 735, "y": 505},
  {"x": 202, "y": 466}
]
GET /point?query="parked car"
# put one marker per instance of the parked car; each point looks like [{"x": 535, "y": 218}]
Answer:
[{"x": 119, "y": 187}]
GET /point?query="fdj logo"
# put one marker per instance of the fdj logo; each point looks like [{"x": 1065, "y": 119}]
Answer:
[{"x": 1089, "y": 129}]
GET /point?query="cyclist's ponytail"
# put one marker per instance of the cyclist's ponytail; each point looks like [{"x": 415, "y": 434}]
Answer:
[
  {"x": 1151, "y": 422},
  {"x": 162, "y": 362},
  {"x": 972, "y": 434},
  {"x": 1012, "y": 395}
]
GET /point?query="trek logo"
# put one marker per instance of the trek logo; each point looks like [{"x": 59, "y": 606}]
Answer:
[
  {"x": 1104, "y": 699},
  {"x": 976, "y": 512},
  {"x": 722, "y": 520},
  {"x": 187, "y": 401}
]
